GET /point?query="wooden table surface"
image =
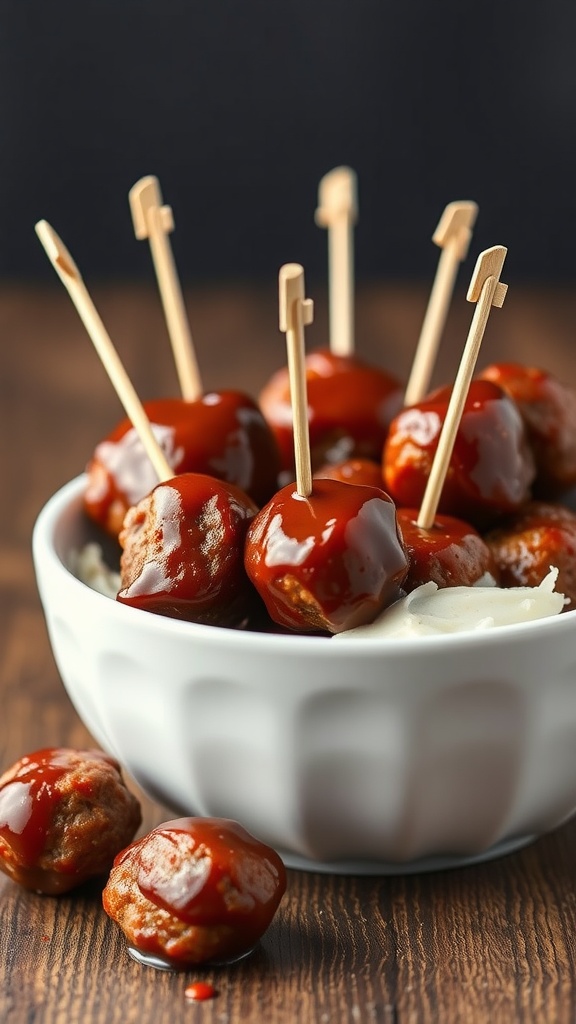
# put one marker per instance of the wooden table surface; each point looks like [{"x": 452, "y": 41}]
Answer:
[{"x": 490, "y": 943}]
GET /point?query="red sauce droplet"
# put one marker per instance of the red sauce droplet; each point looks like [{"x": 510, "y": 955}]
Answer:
[{"x": 198, "y": 991}]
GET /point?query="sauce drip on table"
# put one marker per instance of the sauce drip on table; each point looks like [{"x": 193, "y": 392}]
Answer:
[{"x": 200, "y": 991}]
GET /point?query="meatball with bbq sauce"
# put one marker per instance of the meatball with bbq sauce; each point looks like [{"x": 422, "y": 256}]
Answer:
[
  {"x": 64, "y": 815},
  {"x": 525, "y": 546},
  {"x": 194, "y": 891},
  {"x": 451, "y": 553},
  {"x": 329, "y": 561},
  {"x": 548, "y": 408},
  {"x": 352, "y": 471},
  {"x": 183, "y": 552},
  {"x": 491, "y": 468},
  {"x": 221, "y": 434},
  {"x": 350, "y": 406}
]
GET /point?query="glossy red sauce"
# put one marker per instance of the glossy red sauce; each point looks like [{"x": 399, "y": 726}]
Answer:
[
  {"x": 199, "y": 991},
  {"x": 350, "y": 407},
  {"x": 491, "y": 468},
  {"x": 183, "y": 550},
  {"x": 194, "y": 890},
  {"x": 223, "y": 434},
  {"x": 548, "y": 408},
  {"x": 328, "y": 561},
  {"x": 230, "y": 877},
  {"x": 352, "y": 471},
  {"x": 28, "y": 800},
  {"x": 451, "y": 553}
]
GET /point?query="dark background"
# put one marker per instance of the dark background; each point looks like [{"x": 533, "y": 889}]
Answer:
[{"x": 240, "y": 106}]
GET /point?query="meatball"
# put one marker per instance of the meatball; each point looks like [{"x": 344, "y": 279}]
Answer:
[
  {"x": 350, "y": 406},
  {"x": 183, "y": 551},
  {"x": 221, "y": 434},
  {"x": 491, "y": 468},
  {"x": 451, "y": 553},
  {"x": 64, "y": 815},
  {"x": 548, "y": 408},
  {"x": 352, "y": 471},
  {"x": 327, "y": 562},
  {"x": 194, "y": 890},
  {"x": 525, "y": 546}
]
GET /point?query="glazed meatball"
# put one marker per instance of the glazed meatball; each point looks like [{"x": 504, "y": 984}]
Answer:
[
  {"x": 352, "y": 471},
  {"x": 221, "y": 434},
  {"x": 491, "y": 467},
  {"x": 548, "y": 408},
  {"x": 64, "y": 815},
  {"x": 183, "y": 551},
  {"x": 194, "y": 890},
  {"x": 451, "y": 553},
  {"x": 350, "y": 406},
  {"x": 527, "y": 544}
]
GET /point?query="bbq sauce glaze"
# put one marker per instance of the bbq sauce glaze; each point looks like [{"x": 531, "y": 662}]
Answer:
[
  {"x": 29, "y": 798},
  {"x": 194, "y": 890}
]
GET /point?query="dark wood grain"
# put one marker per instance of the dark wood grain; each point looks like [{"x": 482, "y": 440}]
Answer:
[{"x": 491, "y": 943}]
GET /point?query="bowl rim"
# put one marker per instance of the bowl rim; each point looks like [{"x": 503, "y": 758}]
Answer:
[{"x": 70, "y": 493}]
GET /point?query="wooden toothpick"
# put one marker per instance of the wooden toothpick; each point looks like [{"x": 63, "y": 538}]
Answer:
[
  {"x": 154, "y": 221},
  {"x": 338, "y": 211},
  {"x": 296, "y": 312},
  {"x": 72, "y": 280},
  {"x": 486, "y": 290},
  {"x": 453, "y": 235}
]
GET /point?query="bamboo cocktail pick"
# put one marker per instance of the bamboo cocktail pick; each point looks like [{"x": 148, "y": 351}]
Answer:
[
  {"x": 486, "y": 290},
  {"x": 71, "y": 278},
  {"x": 154, "y": 221},
  {"x": 296, "y": 312},
  {"x": 338, "y": 211},
  {"x": 453, "y": 235}
]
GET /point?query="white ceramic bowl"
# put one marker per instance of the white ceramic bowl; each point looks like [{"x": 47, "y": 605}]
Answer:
[{"x": 372, "y": 756}]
